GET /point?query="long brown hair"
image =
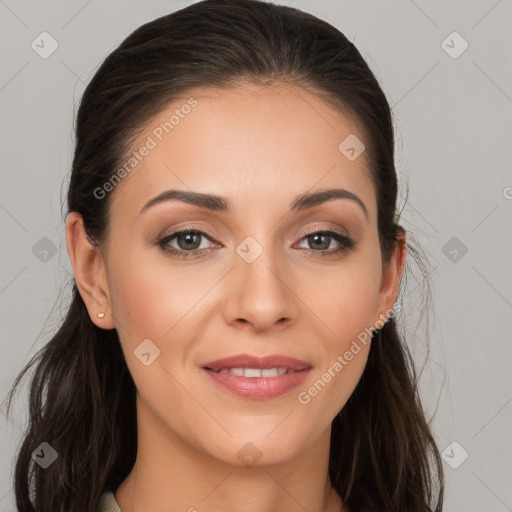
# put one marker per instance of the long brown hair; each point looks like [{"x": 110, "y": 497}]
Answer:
[{"x": 82, "y": 396}]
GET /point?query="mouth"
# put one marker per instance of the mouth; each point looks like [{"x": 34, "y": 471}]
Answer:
[
  {"x": 283, "y": 364},
  {"x": 254, "y": 372},
  {"x": 256, "y": 378}
]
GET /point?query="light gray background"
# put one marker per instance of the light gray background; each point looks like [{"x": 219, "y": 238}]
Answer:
[{"x": 454, "y": 124}]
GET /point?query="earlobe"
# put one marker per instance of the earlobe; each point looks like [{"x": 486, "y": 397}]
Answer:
[{"x": 89, "y": 272}]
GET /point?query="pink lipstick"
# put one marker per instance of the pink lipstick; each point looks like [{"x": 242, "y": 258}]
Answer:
[{"x": 257, "y": 378}]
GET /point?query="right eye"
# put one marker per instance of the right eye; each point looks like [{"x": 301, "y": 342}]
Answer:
[{"x": 188, "y": 240}]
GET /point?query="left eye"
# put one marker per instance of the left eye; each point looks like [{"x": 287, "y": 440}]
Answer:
[{"x": 324, "y": 238}]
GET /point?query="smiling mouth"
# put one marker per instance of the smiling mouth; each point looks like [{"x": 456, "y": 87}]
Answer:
[{"x": 257, "y": 378}]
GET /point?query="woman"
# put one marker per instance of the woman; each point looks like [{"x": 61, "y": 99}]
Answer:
[{"x": 231, "y": 343}]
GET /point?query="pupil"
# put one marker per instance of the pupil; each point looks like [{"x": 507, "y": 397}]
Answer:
[
  {"x": 325, "y": 245},
  {"x": 188, "y": 237}
]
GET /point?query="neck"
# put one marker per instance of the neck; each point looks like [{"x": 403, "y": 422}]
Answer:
[{"x": 172, "y": 475}]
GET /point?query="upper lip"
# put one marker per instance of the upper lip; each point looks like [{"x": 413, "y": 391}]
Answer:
[{"x": 262, "y": 363}]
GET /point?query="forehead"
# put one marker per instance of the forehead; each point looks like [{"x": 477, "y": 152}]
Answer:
[{"x": 247, "y": 142}]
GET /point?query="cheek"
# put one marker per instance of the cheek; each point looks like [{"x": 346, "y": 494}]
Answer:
[
  {"x": 346, "y": 299},
  {"x": 347, "y": 306},
  {"x": 148, "y": 298},
  {"x": 136, "y": 299},
  {"x": 148, "y": 304},
  {"x": 159, "y": 302}
]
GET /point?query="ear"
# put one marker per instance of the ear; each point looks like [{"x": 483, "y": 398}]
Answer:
[
  {"x": 391, "y": 275},
  {"x": 89, "y": 271}
]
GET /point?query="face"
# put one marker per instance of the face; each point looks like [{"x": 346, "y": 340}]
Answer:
[{"x": 249, "y": 276}]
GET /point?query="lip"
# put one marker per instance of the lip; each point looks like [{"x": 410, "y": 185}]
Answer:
[
  {"x": 263, "y": 363},
  {"x": 258, "y": 388}
]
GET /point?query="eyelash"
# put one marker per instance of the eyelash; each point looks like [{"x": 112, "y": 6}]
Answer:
[{"x": 346, "y": 243}]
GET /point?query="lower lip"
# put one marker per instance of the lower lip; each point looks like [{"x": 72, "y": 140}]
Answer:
[{"x": 258, "y": 388}]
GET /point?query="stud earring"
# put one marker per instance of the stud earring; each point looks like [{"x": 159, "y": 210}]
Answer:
[
  {"x": 101, "y": 315},
  {"x": 381, "y": 316}
]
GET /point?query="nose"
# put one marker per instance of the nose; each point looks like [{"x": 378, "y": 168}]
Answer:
[{"x": 260, "y": 294}]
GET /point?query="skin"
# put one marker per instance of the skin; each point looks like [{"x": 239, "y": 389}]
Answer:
[{"x": 257, "y": 146}]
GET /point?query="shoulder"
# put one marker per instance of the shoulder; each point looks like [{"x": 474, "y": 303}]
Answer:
[{"x": 108, "y": 503}]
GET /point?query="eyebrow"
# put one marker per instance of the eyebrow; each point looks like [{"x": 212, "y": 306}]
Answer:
[{"x": 222, "y": 204}]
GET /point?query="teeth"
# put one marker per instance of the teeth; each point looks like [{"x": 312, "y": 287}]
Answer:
[
  {"x": 252, "y": 372},
  {"x": 255, "y": 372}
]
